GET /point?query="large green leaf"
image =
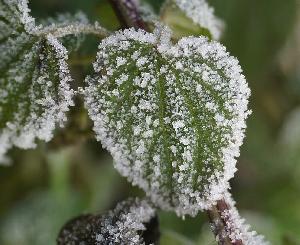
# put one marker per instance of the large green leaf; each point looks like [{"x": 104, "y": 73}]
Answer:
[
  {"x": 172, "y": 116},
  {"x": 132, "y": 222},
  {"x": 34, "y": 79},
  {"x": 191, "y": 17}
]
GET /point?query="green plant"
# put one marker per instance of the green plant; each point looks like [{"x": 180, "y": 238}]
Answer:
[{"x": 169, "y": 107}]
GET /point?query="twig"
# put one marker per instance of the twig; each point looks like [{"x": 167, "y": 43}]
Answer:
[
  {"x": 219, "y": 223},
  {"x": 128, "y": 14}
]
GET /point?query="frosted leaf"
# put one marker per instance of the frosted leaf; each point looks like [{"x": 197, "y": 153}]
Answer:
[
  {"x": 147, "y": 13},
  {"x": 237, "y": 229},
  {"x": 34, "y": 79},
  {"x": 172, "y": 116},
  {"x": 191, "y": 17},
  {"x": 126, "y": 224}
]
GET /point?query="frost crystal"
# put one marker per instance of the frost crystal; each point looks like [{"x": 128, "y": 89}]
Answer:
[
  {"x": 123, "y": 225},
  {"x": 172, "y": 116},
  {"x": 237, "y": 229},
  {"x": 34, "y": 79},
  {"x": 198, "y": 11},
  {"x": 202, "y": 14},
  {"x": 63, "y": 24},
  {"x": 147, "y": 12}
]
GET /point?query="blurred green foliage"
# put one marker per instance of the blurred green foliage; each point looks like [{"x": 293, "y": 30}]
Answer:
[{"x": 47, "y": 186}]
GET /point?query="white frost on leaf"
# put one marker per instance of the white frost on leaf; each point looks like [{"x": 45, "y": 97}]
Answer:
[
  {"x": 34, "y": 80},
  {"x": 147, "y": 12},
  {"x": 124, "y": 224},
  {"x": 23, "y": 12},
  {"x": 200, "y": 13},
  {"x": 174, "y": 125},
  {"x": 237, "y": 229}
]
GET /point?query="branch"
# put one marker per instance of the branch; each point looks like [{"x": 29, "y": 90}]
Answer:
[
  {"x": 128, "y": 14},
  {"x": 219, "y": 223},
  {"x": 229, "y": 227}
]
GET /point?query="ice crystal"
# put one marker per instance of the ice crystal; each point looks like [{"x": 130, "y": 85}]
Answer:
[
  {"x": 123, "y": 225},
  {"x": 66, "y": 23},
  {"x": 192, "y": 17},
  {"x": 237, "y": 229},
  {"x": 172, "y": 116},
  {"x": 147, "y": 12},
  {"x": 34, "y": 79}
]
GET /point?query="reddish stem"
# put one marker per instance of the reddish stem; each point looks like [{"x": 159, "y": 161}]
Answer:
[
  {"x": 128, "y": 14},
  {"x": 219, "y": 223}
]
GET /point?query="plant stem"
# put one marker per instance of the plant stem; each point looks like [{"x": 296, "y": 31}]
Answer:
[
  {"x": 128, "y": 14},
  {"x": 219, "y": 223},
  {"x": 61, "y": 31}
]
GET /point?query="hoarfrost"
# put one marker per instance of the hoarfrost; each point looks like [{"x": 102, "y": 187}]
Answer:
[
  {"x": 34, "y": 80},
  {"x": 123, "y": 225},
  {"x": 237, "y": 229},
  {"x": 195, "y": 132},
  {"x": 202, "y": 14}
]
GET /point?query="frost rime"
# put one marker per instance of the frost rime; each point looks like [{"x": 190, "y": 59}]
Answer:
[
  {"x": 202, "y": 14},
  {"x": 123, "y": 225},
  {"x": 189, "y": 17},
  {"x": 130, "y": 220},
  {"x": 173, "y": 122},
  {"x": 238, "y": 229},
  {"x": 34, "y": 80}
]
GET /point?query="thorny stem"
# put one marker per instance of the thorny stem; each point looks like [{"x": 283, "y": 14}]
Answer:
[
  {"x": 128, "y": 14},
  {"x": 219, "y": 223}
]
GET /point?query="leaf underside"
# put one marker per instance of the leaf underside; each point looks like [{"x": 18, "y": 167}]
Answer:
[
  {"x": 34, "y": 79},
  {"x": 172, "y": 116}
]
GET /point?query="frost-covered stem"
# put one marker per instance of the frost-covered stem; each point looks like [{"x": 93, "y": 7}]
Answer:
[
  {"x": 128, "y": 14},
  {"x": 61, "y": 31},
  {"x": 219, "y": 224}
]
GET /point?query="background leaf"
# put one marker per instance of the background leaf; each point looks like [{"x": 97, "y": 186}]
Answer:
[
  {"x": 34, "y": 80},
  {"x": 191, "y": 18},
  {"x": 128, "y": 223}
]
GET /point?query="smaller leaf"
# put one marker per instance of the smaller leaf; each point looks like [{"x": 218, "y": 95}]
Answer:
[
  {"x": 148, "y": 14},
  {"x": 131, "y": 222},
  {"x": 35, "y": 81},
  {"x": 191, "y": 17}
]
